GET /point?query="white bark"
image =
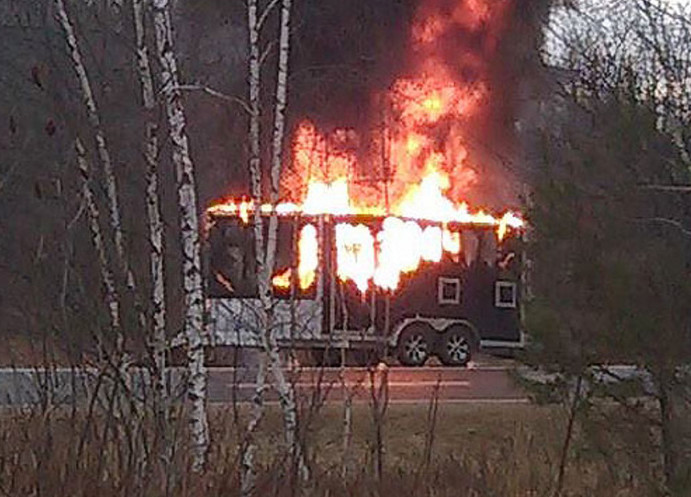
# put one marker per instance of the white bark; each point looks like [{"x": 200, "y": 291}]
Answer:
[
  {"x": 279, "y": 121},
  {"x": 155, "y": 224},
  {"x": 254, "y": 165},
  {"x": 95, "y": 122},
  {"x": 106, "y": 162},
  {"x": 254, "y": 143},
  {"x": 249, "y": 446},
  {"x": 284, "y": 388},
  {"x": 265, "y": 254},
  {"x": 109, "y": 289},
  {"x": 187, "y": 199}
]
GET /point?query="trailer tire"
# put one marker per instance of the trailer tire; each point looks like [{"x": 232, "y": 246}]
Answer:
[
  {"x": 456, "y": 346},
  {"x": 415, "y": 344}
]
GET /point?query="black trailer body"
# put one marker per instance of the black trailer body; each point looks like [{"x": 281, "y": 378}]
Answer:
[{"x": 451, "y": 308}]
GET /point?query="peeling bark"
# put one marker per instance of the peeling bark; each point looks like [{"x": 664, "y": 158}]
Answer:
[
  {"x": 279, "y": 122},
  {"x": 249, "y": 447},
  {"x": 108, "y": 172},
  {"x": 155, "y": 224},
  {"x": 95, "y": 122},
  {"x": 254, "y": 165},
  {"x": 189, "y": 228},
  {"x": 109, "y": 289},
  {"x": 265, "y": 251},
  {"x": 285, "y": 390}
]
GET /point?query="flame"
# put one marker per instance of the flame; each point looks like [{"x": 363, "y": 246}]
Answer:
[
  {"x": 282, "y": 279},
  {"x": 308, "y": 253},
  {"x": 415, "y": 168},
  {"x": 355, "y": 254},
  {"x": 403, "y": 245},
  {"x": 308, "y": 261}
]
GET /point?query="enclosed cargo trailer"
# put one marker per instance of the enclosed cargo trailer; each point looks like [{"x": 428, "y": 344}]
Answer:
[{"x": 333, "y": 293}]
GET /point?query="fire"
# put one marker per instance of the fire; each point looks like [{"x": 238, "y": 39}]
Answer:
[
  {"x": 355, "y": 254},
  {"x": 308, "y": 261},
  {"x": 414, "y": 173},
  {"x": 379, "y": 258},
  {"x": 308, "y": 252},
  {"x": 403, "y": 246}
]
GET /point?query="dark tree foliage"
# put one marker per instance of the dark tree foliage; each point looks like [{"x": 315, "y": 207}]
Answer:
[
  {"x": 610, "y": 250},
  {"x": 610, "y": 253}
]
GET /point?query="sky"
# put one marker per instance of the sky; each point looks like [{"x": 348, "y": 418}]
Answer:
[{"x": 613, "y": 17}]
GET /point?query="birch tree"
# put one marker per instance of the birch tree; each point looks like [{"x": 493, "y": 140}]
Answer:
[
  {"x": 248, "y": 448},
  {"x": 108, "y": 171},
  {"x": 104, "y": 155},
  {"x": 254, "y": 164},
  {"x": 155, "y": 224},
  {"x": 265, "y": 250},
  {"x": 109, "y": 289},
  {"x": 189, "y": 232}
]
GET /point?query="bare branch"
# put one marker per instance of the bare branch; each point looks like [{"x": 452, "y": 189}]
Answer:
[
  {"x": 105, "y": 158},
  {"x": 265, "y": 14},
  {"x": 215, "y": 93},
  {"x": 669, "y": 188},
  {"x": 670, "y": 222},
  {"x": 110, "y": 292},
  {"x": 265, "y": 53}
]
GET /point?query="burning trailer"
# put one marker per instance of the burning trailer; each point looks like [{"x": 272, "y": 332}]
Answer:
[
  {"x": 369, "y": 284},
  {"x": 377, "y": 251}
]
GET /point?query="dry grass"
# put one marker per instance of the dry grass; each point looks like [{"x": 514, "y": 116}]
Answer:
[{"x": 482, "y": 450}]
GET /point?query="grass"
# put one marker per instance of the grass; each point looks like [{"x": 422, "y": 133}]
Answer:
[{"x": 481, "y": 450}]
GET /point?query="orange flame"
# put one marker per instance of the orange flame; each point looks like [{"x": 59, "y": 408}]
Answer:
[
  {"x": 308, "y": 261},
  {"x": 416, "y": 168}
]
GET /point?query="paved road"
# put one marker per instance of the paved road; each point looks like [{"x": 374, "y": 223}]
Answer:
[{"x": 405, "y": 385}]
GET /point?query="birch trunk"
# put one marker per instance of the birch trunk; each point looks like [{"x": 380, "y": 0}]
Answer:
[
  {"x": 189, "y": 228},
  {"x": 284, "y": 388},
  {"x": 95, "y": 122},
  {"x": 265, "y": 254},
  {"x": 279, "y": 120},
  {"x": 155, "y": 224},
  {"x": 249, "y": 447},
  {"x": 254, "y": 165},
  {"x": 109, "y": 288}
]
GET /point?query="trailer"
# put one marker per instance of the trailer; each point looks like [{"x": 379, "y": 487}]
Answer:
[{"x": 451, "y": 305}]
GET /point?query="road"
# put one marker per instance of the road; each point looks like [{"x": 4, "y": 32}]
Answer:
[
  {"x": 483, "y": 383},
  {"x": 405, "y": 385}
]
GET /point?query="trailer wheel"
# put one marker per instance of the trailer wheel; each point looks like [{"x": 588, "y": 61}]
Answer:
[
  {"x": 456, "y": 346},
  {"x": 414, "y": 344}
]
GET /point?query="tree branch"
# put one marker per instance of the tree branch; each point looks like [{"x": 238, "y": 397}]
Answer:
[
  {"x": 265, "y": 14},
  {"x": 669, "y": 188},
  {"x": 266, "y": 52},
  {"x": 215, "y": 93},
  {"x": 670, "y": 222}
]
